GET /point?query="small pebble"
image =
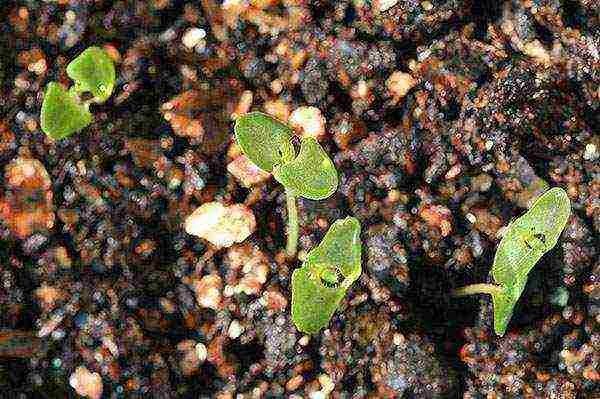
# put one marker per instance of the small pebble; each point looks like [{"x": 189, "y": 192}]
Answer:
[
  {"x": 294, "y": 383},
  {"x": 399, "y": 83},
  {"x": 384, "y": 5},
  {"x": 591, "y": 152},
  {"x": 208, "y": 291},
  {"x": 220, "y": 225},
  {"x": 308, "y": 122},
  {"x": 326, "y": 383},
  {"x": 536, "y": 50},
  {"x": 247, "y": 172},
  {"x": 201, "y": 351},
  {"x": 235, "y": 329},
  {"x": 192, "y": 37},
  {"x": 86, "y": 384}
]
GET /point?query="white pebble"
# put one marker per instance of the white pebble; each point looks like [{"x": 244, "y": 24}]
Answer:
[
  {"x": 201, "y": 351},
  {"x": 471, "y": 218},
  {"x": 192, "y": 37},
  {"x": 317, "y": 395},
  {"x": 222, "y": 226},
  {"x": 591, "y": 152},
  {"x": 326, "y": 383},
  {"x": 86, "y": 384},
  {"x": 308, "y": 121},
  {"x": 235, "y": 329},
  {"x": 399, "y": 83},
  {"x": 384, "y": 5}
]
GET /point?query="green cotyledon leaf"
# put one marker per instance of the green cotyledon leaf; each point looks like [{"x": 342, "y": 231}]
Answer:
[
  {"x": 329, "y": 270},
  {"x": 61, "y": 114},
  {"x": 263, "y": 139},
  {"x": 311, "y": 174},
  {"x": 93, "y": 70},
  {"x": 526, "y": 240}
]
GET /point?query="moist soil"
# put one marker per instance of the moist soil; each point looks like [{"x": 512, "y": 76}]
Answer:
[{"x": 444, "y": 118}]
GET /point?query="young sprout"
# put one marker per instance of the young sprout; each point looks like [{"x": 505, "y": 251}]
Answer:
[
  {"x": 93, "y": 71},
  {"x": 321, "y": 283},
  {"x": 309, "y": 174},
  {"x": 63, "y": 111},
  {"x": 526, "y": 240}
]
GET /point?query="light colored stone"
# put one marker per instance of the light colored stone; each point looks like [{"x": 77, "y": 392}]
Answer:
[
  {"x": 399, "y": 83},
  {"x": 48, "y": 296},
  {"x": 201, "y": 351},
  {"x": 222, "y": 226},
  {"x": 235, "y": 329},
  {"x": 536, "y": 50},
  {"x": 208, "y": 291},
  {"x": 317, "y": 395},
  {"x": 243, "y": 105},
  {"x": 27, "y": 205},
  {"x": 304, "y": 340},
  {"x": 192, "y": 37},
  {"x": 308, "y": 122},
  {"x": 253, "y": 264},
  {"x": 591, "y": 152},
  {"x": 86, "y": 384},
  {"x": 278, "y": 109},
  {"x": 247, "y": 172},
  {"x": 294, "y": 383},
  {"x": 384, "y": 5},
  {"x": 326, "y": 383}
]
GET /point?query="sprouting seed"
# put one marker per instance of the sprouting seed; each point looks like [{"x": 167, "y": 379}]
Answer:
[
  {"x": 62, "y": 114},
  {"x": 526, "y": 240},
  {"x": 93, "y": 71},
  {"x": 311, "y": 174},
  {"x": 321, "y": 283},
  {"x": 65, "y": 112}
]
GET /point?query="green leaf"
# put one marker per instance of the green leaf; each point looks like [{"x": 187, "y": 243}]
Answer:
[
  {"x": 329, "y": 270},
  {"x": 526, "y": 240},
  {"x": 61, "y": 114},
  {"x": 311, "y": 174},
  {"x": 340, "y": 248},
  {"x": 313, "y": 303},
  {"x": 94, "y": 71},
  {"x": 263, "y": 138}
]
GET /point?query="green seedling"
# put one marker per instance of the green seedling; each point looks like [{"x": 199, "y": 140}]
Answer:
[
  {"x": 93, "y": 71},
  {"x": 329, "y": 270},
  {"x": 526, "y": 240},
  {"x": 64, "y": 112},
  {"x": 268, "y": 143}
]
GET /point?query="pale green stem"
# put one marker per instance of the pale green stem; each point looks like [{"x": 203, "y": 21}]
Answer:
[
  {"x": 478, "y": 289},
  {"x": 292, "y": 236}
]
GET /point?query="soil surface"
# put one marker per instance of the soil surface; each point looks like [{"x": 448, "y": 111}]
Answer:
[{"x": 445, "y": 119}]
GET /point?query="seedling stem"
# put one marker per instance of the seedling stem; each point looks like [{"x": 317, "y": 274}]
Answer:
[
  {"x": 292, "y": 210},
  {"x": 473, "y": 289}
]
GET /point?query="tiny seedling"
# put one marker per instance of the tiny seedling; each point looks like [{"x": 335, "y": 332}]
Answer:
[
  {"x": 268, "y": 143},
  {"x": 526, "y": 240},
  {"x": 64, "y": 112},
  {"x": 329, "y": 270}
]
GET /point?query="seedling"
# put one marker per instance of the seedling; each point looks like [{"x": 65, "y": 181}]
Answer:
[
  {"x": 526, "y": 240},
  {"x": 321, "y": 283},
  {"x": 64, "y": 112},
  {"x": 268, "y": 143}
]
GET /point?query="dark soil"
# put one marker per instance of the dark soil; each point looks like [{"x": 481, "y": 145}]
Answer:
[{"x": 445, "y": 118}]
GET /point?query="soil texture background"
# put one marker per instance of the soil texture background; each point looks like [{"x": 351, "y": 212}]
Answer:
[{"x": 444, "y": 118}]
